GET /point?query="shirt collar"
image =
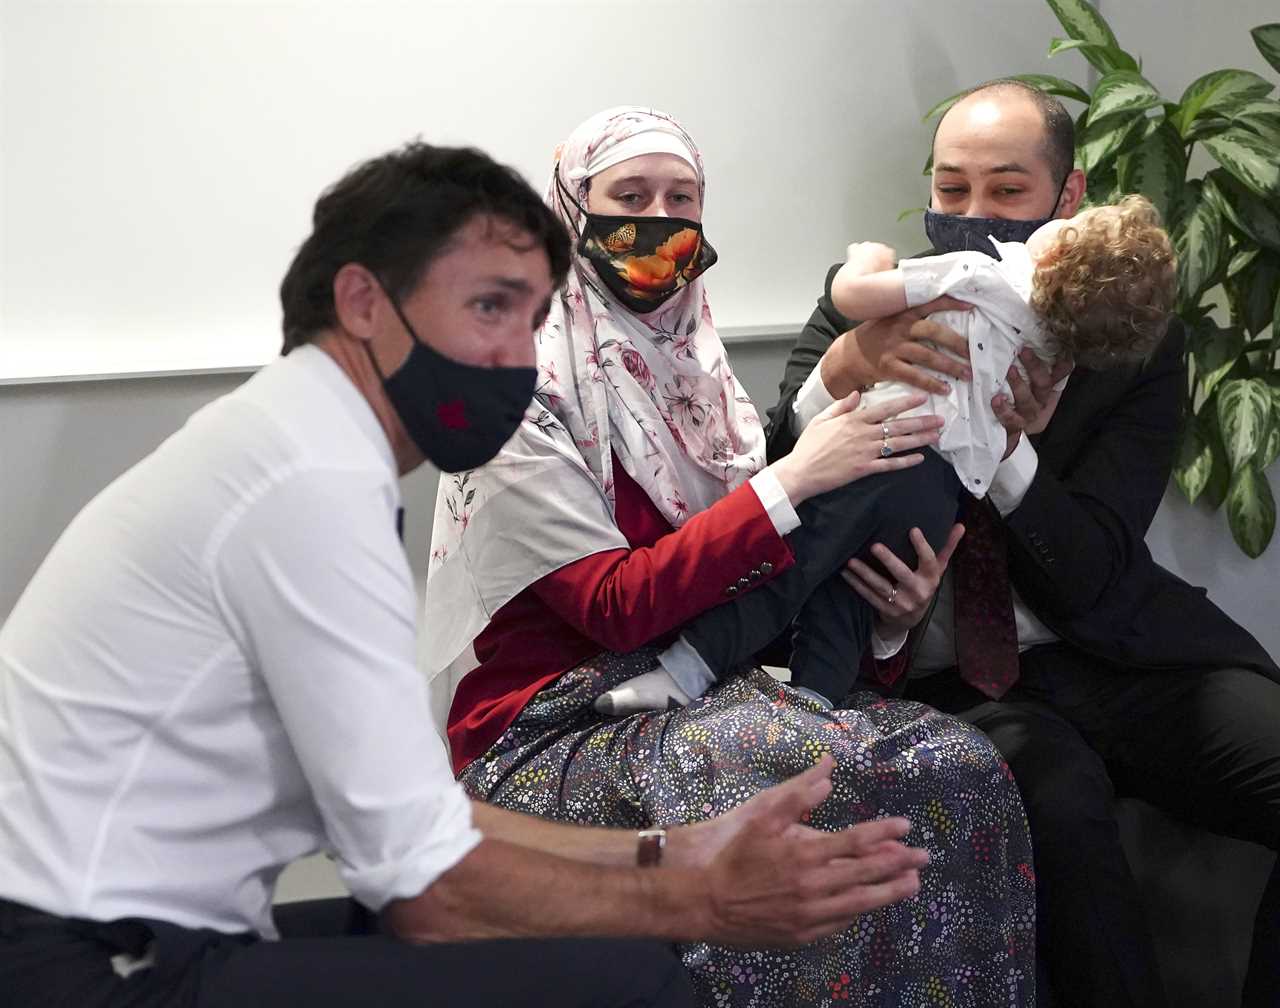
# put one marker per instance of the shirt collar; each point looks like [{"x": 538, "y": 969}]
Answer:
[{"x": 320, "y": 366}]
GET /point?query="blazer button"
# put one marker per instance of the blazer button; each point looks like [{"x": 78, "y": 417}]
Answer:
[
  {"x": 744, "y": 582},
  {"x": 766, "y": 568},
  {"x": 754, "y": 574},
  {"x": 731, "y": 591}
]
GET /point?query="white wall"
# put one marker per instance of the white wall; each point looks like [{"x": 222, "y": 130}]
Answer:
[{"x": 159, "y": 159}]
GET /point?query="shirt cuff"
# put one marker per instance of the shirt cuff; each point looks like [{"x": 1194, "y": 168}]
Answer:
[
  {"x": 886, "y": 647},
  {"x": 811, "y": 400},
  {"x": 777, "y": 505},
  {"x": 1013, "y": 477}
]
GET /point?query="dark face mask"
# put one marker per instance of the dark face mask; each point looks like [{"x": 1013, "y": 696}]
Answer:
[
  {"x": 953, "y": 233},
  {"x": 643, "y": 261},
  {"x": 459, "y": 415}
]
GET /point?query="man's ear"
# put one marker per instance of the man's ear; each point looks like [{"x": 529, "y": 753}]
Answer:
[
  {"x": 356, "y": 298},
  {"x": 1072, "y": 194}
]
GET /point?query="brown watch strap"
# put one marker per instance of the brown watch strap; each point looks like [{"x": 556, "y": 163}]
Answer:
[{"x": 649, "y": 846}]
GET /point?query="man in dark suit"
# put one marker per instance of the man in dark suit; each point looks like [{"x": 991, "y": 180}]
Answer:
[{"x": 1099, "y": 669}]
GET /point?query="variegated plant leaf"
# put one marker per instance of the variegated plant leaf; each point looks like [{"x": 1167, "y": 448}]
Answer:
[
  {"x": 1218, "y": 92},
  {"x": 1105, "y": 58},
  {"x": 1251, "y": 510},
  {"x": 1244, "y": 418},
  {"x": 1080, "y": 19},
  {"x": 943, "y": 105},
  {"x": 1103, "y": 186},
  {"x": 1271, "y": 446},
  {"x": 1255, "y": 294},
  {"x": 1156, "y": 168},
  {"x": 1198, "y": 240},
  {"x": 1121, "y": 92},
  {"x": 1240, "y": 259},
  {"x": 1194, "y": 462},
  {"x": 1055, "y": 86},
  {"x": 1246, "y": 212},
  {"x": 1249, "y": 159},
  {"x": 1213, "y": 351},
  {"x": 1267, "y": 38},
  {"x": 1261, "y": 117},
  {"x": 1099, "y": 142}
]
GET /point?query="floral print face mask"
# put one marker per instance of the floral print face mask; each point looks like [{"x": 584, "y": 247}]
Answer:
[{"x": 643, "y": 260}]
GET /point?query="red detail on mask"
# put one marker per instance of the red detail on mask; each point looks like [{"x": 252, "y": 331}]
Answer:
[{"x": 453, "y": 415}]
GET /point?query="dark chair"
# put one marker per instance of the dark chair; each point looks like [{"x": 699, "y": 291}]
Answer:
[{"x": 1201, "y": 892}]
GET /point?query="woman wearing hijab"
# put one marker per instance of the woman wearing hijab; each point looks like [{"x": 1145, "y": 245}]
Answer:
[{"x": 635, "y": 497}]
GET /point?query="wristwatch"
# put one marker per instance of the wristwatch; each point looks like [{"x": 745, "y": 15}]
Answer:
[{"x": 649, "y": 845}]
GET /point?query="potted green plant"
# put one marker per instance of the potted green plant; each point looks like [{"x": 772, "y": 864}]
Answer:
[{"x": 1225, "y": 224}]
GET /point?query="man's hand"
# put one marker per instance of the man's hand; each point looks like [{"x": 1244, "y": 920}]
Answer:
[
  {"x": 901, "y": 603},
  {"x": 775, "y": 882},
  {"x": 1034, "y": 399},
  {"x": 897, "y": 348}
]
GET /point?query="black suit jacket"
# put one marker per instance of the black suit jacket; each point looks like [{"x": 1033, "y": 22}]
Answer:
[{"x": 1077, "y": 542}]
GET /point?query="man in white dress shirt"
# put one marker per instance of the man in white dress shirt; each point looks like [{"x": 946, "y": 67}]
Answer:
[{"x": 212, "y": 674}]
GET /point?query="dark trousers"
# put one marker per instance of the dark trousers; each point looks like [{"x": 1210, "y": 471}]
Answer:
[
  {"x": 54, "y": 963},
  {"x": 1204, "y": 745},
  {"x": 832, "y": 622}
]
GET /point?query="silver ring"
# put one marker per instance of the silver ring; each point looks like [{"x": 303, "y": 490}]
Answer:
[
  {"x": 885, "y": 450},
  {"x": 884, "y": 431},
  {"x": 893, "y": 594}
]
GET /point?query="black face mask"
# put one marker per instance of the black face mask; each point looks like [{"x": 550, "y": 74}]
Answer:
[
  {"x": 953, "y": 233},
  {"x": 459, "y": 415},
  {"x": 644, "y": 261}
]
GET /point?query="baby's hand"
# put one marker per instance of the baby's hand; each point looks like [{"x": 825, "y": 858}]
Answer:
[{"x": 871, "y": 257}]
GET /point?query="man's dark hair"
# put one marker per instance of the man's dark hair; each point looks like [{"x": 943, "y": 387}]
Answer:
[
  {"x": 395, "y": 214},
  {"x": 1059, "y": 142}
]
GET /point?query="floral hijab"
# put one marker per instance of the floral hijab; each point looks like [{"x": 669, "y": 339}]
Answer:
[{"x": 655, "y": 392}]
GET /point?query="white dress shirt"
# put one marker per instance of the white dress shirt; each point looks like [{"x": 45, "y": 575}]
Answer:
[{"x": 212, "y": 674}]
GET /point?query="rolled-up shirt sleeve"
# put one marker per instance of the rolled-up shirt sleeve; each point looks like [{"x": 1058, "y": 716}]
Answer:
[
  {"x": 1013, "y": 477},
  {"x": 777, "y": 505},
  {"x": 811, "y": 400},
  {"x": 316, "y": 588},
  {"x": 955, "y": 273}
]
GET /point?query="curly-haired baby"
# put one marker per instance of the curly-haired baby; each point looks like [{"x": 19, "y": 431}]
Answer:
[{"x": 1096, "y": 289}]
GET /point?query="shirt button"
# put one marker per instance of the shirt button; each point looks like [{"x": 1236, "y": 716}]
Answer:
[
  {"x": 766, "y": 568},
  {"x": 731, "y": 591}
]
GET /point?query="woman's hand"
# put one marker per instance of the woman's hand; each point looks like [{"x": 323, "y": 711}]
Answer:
[
  {"x": 899, "y": 348},
  {"x": 845, "y": 443},
  {"x": 901, "y": 603}
]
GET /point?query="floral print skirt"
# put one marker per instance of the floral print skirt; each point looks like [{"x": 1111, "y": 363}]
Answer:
[{"x": 966, "y": 940}]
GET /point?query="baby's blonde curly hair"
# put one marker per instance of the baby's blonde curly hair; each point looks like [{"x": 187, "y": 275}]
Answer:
[{"x": 1106, "y": 289}]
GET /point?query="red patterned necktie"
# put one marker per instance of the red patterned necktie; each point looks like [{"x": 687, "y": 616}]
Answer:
[{"x": 986, "y": 635}]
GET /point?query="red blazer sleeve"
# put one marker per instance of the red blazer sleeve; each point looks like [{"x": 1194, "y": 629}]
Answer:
[{"x": 622, "y": 599}]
